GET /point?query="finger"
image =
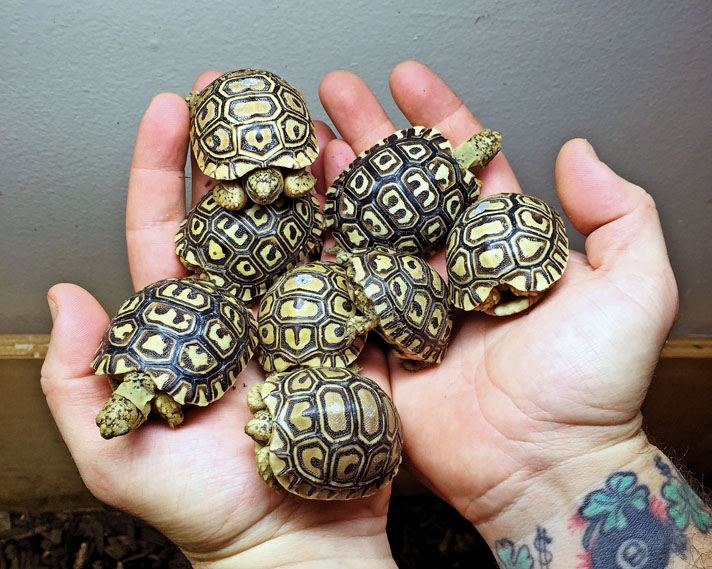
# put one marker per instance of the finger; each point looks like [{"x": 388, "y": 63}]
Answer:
[
  {"x": 354, "y": 110},
  {"x": 426, "y": 100},
  {"x": 74, "y": 394},
  {"x": 200, "y": 183},
  {"x": 373, "y": 363},
  {"x": 620, "y": 220},
  {"x": 337, "y": 155},
  {"x": 324, "y": 135},
  {"x": 156, "y": 198}
]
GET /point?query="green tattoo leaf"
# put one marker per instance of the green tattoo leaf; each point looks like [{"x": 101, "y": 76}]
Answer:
[
  {"x": 609, "y": 508},
  {"x": 684, "y": 506},
  {"x": 512, "y": 558}
]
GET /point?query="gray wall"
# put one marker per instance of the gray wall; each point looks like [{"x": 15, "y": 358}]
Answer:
[{"x": 633, "y": 77}]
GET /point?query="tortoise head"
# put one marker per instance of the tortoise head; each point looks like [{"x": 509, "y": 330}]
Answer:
[
  {"x": 260, "y": 427},
  {"x": 264, "y": 185}
]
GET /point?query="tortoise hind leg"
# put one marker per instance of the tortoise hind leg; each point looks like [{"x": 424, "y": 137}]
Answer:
[{"x": 128, "y": 406}]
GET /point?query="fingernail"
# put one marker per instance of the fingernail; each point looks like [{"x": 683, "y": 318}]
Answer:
[
  {"x": 53, "y": 309},
  {"x": 591, "y": 150}
]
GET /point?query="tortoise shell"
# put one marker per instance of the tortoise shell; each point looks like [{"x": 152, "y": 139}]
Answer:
[
  {"x": 335, "y": 435},
  {"x": 405, "y": 193},
  {"x": 511, "y": 242},
  {"x": 410, "y": 299},
  {"x": 249, "y": 119},
  {"x": 245, "y": 251},
  {"x": 306, "y": 319},
  {"x": 192, "y": 340}
]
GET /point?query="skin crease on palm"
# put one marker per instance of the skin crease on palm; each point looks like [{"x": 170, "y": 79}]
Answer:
[{"x": 513, "y": 399}]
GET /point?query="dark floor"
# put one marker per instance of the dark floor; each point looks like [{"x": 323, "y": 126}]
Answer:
[{"x": 423, "y": 531}]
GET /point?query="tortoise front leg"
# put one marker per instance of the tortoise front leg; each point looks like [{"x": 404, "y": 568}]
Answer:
[
  {"x": 230, "y": 194},
  {"x": 298, "y": 183},
  {"x": 254, "y": 398},
  {"x": 168, "y": 409}
]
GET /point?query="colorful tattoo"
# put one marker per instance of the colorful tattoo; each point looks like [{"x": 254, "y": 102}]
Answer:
[
  {"x": 542, "y": 541},
  {"x": 624, "y": 526},
  {"x": 684, "y": 506},
  {"x": 621, "y": 529},
  {"x": 512, "y": 557}
]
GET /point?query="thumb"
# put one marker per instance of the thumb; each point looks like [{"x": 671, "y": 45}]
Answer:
[
  {"x": 624, "y": 238},
  {"x": 74, "y": 394}
]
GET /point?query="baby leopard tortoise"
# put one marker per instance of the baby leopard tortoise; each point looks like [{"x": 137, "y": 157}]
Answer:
[
  {"x": 176, "y": 342},
  {"x": 407, "y": 190},
  {"x": 310, "y": 318},
  {"x": 252, "y": 130},
  {"x": 324, "y": 433},
  {"x": 409, "y": 299},
  {"x": 245, "y": 251},
  {"x": 504, "y": 253}
]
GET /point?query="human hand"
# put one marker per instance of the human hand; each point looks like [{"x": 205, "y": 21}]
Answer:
[
  {"x": 197, "y": 484},
  {"x": 544, "y": 402}
]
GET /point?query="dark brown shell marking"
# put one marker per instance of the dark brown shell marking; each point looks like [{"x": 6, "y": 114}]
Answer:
[
  {"x": 405, "y": 193},
  {"x": 192, "y": 340},
  {"x": 245, "y": 251},
  {"x": 336, "y": 434}
]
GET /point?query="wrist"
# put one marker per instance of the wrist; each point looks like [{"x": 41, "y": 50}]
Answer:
[
  {"x": 348, "y": 544},
  {"x": 624, "y": 506},
  {"x": 540, "y": 491}
]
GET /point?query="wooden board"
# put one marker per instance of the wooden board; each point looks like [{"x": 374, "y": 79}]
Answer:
[
  {"x": 34, "y": 346},
  {"x": 23, "y": 346}
]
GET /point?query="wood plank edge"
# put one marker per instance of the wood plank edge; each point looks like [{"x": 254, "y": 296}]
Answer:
[
  {"x": 23, "y": 346},
  {"x": 34, "y": 346}
]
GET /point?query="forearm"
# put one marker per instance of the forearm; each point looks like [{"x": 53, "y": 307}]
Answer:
[
  {"x": 624, "y": 507},
  {"x": 351, "y": 546}
]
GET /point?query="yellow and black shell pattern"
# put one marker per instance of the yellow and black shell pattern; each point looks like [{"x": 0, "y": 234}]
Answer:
[
  {"x": 335, "y": 435},
  {"x": 245, "y": 251},
  {"x": 306, "y": 317},
  {"x": 405, "y": 193},
  {"x": 410, "y": 299},
  {"x": 192, "y": 340},
  {"x": 249, "y": 119},
  {"x": 507, "y": 241}
]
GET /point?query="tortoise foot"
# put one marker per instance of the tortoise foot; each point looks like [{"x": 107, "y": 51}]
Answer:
[
  {"x": 298, "y": 183},
  {"x": 230, "y": 195}
]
